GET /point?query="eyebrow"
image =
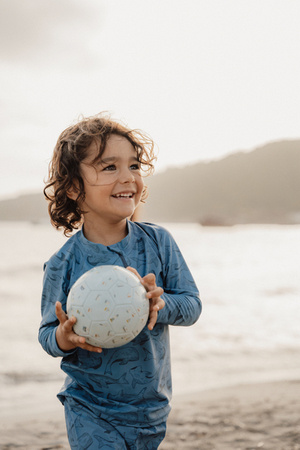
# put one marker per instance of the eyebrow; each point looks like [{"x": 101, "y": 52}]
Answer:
[{"x": 114, "y": 159}]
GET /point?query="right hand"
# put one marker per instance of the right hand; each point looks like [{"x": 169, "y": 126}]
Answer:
[{"x": 65, "y": 337}]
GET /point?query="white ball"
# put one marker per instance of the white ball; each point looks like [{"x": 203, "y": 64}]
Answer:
[{"x": 110, "y": 305}]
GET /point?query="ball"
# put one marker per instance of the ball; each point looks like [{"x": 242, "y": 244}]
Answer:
[{"x": 110, "y": 305}]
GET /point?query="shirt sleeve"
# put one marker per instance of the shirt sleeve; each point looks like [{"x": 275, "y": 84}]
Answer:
[
  {"x": 182, "y": 303},
  {"x": 54, "y": 289}
]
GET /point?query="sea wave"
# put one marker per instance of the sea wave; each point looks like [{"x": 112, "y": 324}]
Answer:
[{"x": 14, "y": 378}]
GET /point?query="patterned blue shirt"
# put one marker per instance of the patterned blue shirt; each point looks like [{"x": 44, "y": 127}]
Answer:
[{"x": 130, "y": 384}]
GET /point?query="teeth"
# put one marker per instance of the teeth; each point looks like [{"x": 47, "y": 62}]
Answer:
[{"x": 123, "y": 195}]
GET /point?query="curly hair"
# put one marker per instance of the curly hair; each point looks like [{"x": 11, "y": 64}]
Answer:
[{"x": 71, "y": 149}]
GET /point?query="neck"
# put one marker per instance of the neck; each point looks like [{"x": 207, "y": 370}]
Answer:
[{"x": 105, "y": 233}]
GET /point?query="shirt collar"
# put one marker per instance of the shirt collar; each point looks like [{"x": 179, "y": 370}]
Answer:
[{"x": 100, "y": 248}]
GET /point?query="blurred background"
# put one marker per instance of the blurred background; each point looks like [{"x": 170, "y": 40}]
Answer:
[
  {"x": 216, "y": 85},
  {"x": 204, "y": 79}
]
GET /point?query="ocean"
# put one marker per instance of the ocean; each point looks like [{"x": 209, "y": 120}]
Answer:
[{"x": 249, "y": 282}]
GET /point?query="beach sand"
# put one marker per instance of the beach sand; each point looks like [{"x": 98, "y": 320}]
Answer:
[{"x": 245, "y": 417}]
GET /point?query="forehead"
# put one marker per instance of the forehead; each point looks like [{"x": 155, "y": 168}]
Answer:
[{"x": 116, "y": 147}]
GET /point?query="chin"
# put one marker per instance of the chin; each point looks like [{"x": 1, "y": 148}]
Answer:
[{"x": 126, "y": 215}]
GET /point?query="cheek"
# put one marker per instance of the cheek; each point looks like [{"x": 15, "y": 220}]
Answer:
[
  {"x": 97, "y": 194},
  {"x": 140, "y": 185}
]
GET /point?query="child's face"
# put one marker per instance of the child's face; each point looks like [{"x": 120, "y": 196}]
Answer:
[{"x": 113, "y": 186}]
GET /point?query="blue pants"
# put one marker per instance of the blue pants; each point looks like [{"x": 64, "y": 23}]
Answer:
[{"x": 86, "y": 431}]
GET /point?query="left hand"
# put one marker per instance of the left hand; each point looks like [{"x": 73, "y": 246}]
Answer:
[{"x": 153, "y": 293}]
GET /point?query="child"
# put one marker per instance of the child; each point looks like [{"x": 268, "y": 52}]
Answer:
[{"x": 113, "y": 398}]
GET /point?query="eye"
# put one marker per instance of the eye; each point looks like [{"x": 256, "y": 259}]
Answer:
[
  {"x": 110, "y": 168},
  {"x": 135, "y": 166}
]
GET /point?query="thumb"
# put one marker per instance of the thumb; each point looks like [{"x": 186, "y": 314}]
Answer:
[{"x": 60, "y": 314}]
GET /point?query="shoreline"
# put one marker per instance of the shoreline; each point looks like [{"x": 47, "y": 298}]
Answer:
[{"x": 242, "y": 417}]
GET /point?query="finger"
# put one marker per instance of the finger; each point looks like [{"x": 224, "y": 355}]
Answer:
[
  {"x": 69, "y": 323},
  {"x": 155, "y": 293},
  {"x": 157, "y": 304},
  {"x": 80, "y": 341},
  {"x": 152, "y": 320},
  {"x": 60, "y": 314},
  {"x": 150, "y": 277},
  {"x": 149, "y": 281},
  {"x": 131, "y": 269},
  {"x": 91, "y": 348}
]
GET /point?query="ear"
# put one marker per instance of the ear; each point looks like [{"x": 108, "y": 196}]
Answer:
[{"x": 73, "y": 192}]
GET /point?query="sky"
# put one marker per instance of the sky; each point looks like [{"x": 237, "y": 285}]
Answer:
[{"x": 205, "y": 78}]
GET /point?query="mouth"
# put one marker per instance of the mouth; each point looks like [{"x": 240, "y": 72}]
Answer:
[{"x": 125, "y": 195}]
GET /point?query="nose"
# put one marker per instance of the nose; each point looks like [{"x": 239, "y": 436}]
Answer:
[{"x": 126, "y": 176}]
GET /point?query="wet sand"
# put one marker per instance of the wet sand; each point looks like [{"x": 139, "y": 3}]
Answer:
[{"x": 244, "y": 417}]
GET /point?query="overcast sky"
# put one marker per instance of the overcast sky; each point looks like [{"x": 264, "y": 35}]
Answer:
[{"x": 203, "y": 77}]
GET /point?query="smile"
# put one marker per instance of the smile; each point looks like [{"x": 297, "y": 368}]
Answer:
[{"x": 128, "y": 195}]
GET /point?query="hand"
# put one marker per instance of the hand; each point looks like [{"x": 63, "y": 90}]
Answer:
[
  {"x": 153, "y": 293},
  {"x": 66, "y": 338}
]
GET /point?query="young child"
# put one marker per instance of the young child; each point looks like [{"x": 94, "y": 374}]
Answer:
[{"x": 113, "y": 398}]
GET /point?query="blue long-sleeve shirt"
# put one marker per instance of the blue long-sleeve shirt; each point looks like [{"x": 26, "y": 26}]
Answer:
[{"x": 132, "y": 383}]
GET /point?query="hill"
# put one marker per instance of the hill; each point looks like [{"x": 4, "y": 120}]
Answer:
[
  {"x": 261, "y": 186},
  {"x": 30, "y": 207}
]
